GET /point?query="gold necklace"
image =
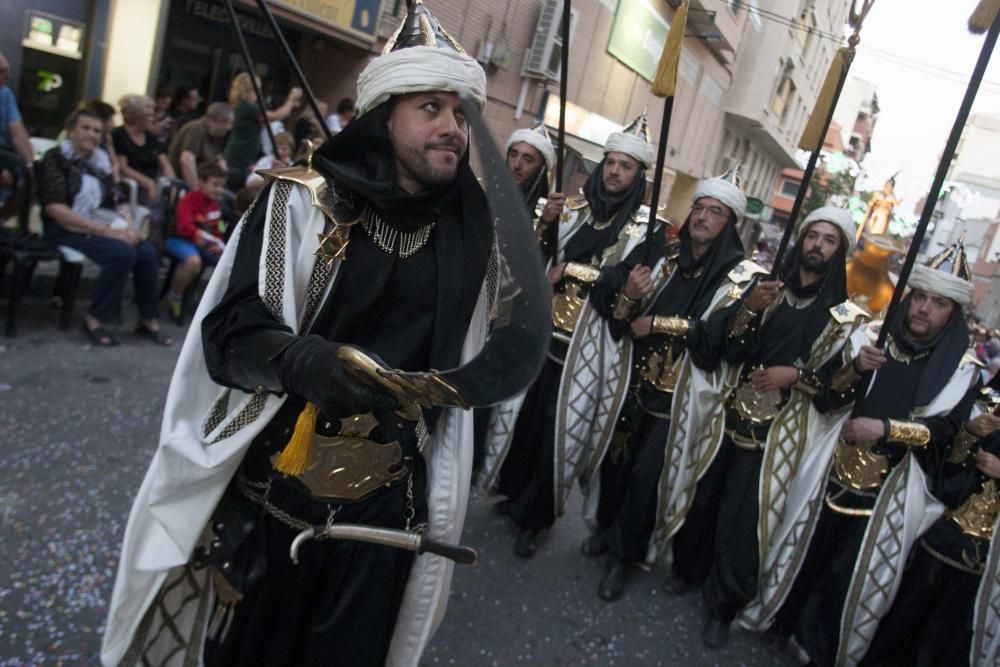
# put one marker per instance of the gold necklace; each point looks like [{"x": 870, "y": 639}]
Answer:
[{"x": 901, "y": 355}]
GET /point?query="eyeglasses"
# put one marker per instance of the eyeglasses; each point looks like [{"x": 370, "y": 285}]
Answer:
[{"x": 715, "y": 211}]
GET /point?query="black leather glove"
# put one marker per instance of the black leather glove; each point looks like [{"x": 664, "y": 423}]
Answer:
[{"x": 309, "y": 368}]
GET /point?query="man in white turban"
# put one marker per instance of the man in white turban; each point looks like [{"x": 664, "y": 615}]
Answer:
[{"x": 380, "y": 240}]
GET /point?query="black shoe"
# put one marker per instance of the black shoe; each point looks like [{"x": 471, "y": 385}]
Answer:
[
  {"x": 595, "y": 545},
  {"x": 524, "y": 545},
  {"x": 502, "y": 508},
  {"x": 613, "y": 584},
  {"x": 715, "y": 634},
  {"x": 677, "y": 586}
]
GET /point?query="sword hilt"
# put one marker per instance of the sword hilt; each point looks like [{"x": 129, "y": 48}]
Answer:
[{"x": 399, "y": 539}]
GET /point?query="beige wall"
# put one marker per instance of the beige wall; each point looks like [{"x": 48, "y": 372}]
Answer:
[{"x": 132, "y": 34}]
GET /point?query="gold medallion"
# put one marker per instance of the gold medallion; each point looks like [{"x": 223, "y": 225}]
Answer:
[{"x": 757, "y": 407}]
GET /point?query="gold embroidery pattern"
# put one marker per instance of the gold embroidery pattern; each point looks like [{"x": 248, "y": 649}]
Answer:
[
  {"x": 744, "y": 316},
  {"x": 624, "y": 307},
  {"x": 662, "y": 370},
  {"x": 585, "y": 273},
  {"x": 567, "y": 306},
  {"x": 844, "y": 378},
  {"x": 961, "y": 447}
]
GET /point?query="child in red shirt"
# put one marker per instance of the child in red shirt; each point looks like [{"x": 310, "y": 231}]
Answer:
[{"x": 197, "y": 239}]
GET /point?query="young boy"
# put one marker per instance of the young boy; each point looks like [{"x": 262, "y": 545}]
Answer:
[{"x": 197, "y": 239}]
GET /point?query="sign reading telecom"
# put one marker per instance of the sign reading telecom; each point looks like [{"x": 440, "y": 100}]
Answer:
[
  {"x": 358, "y": 17},
  {"x": 638, "y": 36}
]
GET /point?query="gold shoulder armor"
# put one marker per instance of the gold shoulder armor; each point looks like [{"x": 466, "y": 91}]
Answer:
[
  {"x": 576, "y": 203},
  {"x": 848, "y": 312},
  {"x": 306, "y": 176},
  {"x": 744, "y": 271},
  {"x": 634, "y": 230}
]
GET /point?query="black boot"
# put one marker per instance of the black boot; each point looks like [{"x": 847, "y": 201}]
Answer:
[
  {"x": 715, "y": 634},
  {"x": 595, "y": 545},
  {"x": 524, "y": 545},
  {"x": 613, "y": 584}
]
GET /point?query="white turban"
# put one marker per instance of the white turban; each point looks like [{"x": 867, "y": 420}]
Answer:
[
  {"x": 725, "y": 191},
  {"x": 619, "y": 142},
  {"x": 941, "y": 283},
  {"x": 839, "y": 217},
  {"x": 534, "y": 139},
  {"x": 419, "y": 69}
]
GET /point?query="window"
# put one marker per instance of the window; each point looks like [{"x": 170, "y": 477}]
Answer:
[
  {"x": 734, "y": 6},
  {"x": 783, "y": 96},
  {"x": 789, "y": 188}
]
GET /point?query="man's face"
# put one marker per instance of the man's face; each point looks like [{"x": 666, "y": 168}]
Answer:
[
  {"x": 820, "y": 243},
  {"x": 219, "y": 128},
  {"x": 524, "y": 161},
  {"x": 707, "y": 218},
  {"x": 4, "y": 70},
  {"x": 192, "y": 100},
  {"x": 86, "y": 134},
  {"x": 212, "y": 187},
  {"x": 429, "y": 135},
  {"x": 927, "y": 315},
  {"x": 619, "y": 172}
]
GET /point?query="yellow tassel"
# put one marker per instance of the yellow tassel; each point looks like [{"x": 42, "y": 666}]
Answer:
[
  {"x": 295, "y": 457},
  {"x": 665, "y": 81},
  {"x": 817, "y": 119},
  {"x": 983, "y": 16}
]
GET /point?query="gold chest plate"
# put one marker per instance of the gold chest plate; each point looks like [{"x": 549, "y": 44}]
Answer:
[
  {"x": 567, "y": 306},
  {"x": 756, "y": 407},
  {"x": 662, "y": 370},
  {"x": 978, "y": 514},
  {"x": 858, "y": 466}
]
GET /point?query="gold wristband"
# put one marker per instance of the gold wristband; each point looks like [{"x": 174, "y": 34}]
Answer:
[
  {"x": 806, "y": 383},
  {"x": 913, "y": 434},
  {"x": 845, "y": 376},
  {"x": 671, "y": 326},
  {"x": 744, "y": 316},
  {"x": 624, "y": 307},
  {"x": 962, "y": 445},
  {"x": 585, "y": 273}
]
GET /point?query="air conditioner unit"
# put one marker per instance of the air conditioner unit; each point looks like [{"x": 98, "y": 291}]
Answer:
[{"x": 543, "y": 59}]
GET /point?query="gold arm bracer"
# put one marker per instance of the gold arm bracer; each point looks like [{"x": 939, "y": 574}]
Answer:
[
  {"x": 913, "y": 434},
  {"x": 585, "y": 273},
  {"x": 962, "y": 446},
  {"x": 624, "y": 307},
  {"x": 671, "y": 326}
]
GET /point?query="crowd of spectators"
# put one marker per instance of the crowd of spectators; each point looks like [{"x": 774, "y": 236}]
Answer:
[{"x": 187, "y": 175}]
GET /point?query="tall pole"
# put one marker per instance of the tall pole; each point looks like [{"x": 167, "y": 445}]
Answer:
[
  {"x": 932, "y": 197},
  {"x": 248, "y": 63},
  {"x": 661, "y": 157},
  {"x": 262, "y": 5},
  {"x": 563, "y": 79}
]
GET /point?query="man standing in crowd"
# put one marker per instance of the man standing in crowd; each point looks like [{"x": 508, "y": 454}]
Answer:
[
  {"x": 657, "y": 333},
  {"x": 527, "y": 450},
  {"x": 15, "y": 148},
  {"x": 201, "y": 141},
  {"x": 776, "y": 340},
  {"x": 262, "y": 408},
  {"x": 877, "y": 491}
]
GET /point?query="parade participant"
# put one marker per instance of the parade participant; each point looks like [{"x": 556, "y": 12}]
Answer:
[
  {"x": 846, "y": 558},
  {"x": 262, "y": 413},
  {"x": 528, "y": 452},
  {"x": 776, "y": 342},
  {"x": 656, "y": 333},
  {"x": 531, "y": 159},
  {"x": 944, "y": 612}
]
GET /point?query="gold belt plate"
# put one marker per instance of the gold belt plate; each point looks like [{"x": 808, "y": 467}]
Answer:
[
  {"x": 757, "y": 407},
  {"x": 567, "y": 305},
  {"x": 858, "y": 466},
  {"x": 978, "y": 514},
  {"x": 348, "y": 468},
  {"x": 662, "y": 371}
]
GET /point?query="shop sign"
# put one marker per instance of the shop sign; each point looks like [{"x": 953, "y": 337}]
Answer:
[
  {"x": 357, "y": 17},
  {"x": 53, "y": 34},
  {"x": 638, "y": 36}
]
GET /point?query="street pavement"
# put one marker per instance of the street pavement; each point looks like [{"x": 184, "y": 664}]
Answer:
[{"x": 78, "y": 426}]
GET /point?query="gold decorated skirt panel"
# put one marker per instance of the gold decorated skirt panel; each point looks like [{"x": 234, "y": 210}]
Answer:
[{"x": 567, "y": 306}]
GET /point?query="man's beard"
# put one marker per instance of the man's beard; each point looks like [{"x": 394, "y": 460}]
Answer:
[
  {"x": 417, "y": 165},
  {"x": 815, "y": 263}
]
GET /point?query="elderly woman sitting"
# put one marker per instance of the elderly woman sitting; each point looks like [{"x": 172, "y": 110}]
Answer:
[{"x": 76, "y": 193}]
